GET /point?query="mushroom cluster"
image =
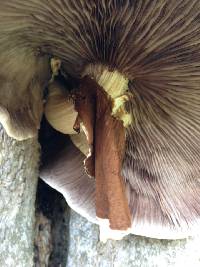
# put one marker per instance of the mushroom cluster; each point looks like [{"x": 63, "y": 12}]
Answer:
[{"x": 132, "y": 165}]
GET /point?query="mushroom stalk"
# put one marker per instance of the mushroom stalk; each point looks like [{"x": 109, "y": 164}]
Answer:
[{"x": 106, "y": 137}]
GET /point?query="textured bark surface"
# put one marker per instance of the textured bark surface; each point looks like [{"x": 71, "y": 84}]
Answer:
[
  {"x": 51, "y": 231},
  {"x": 18, "y": 181},
  {"x": 85, "y": 250}
]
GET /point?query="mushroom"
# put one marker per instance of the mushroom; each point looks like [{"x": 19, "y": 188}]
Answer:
[
  {"x": 139, "y": 58},
  {"x": 23, "y": 77},
  {"x": 61, "y": 114},
  {"x": 59, "y": 109}
]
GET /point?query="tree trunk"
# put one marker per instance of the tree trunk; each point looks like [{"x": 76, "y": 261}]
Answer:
[
  {"x": 85, "y": 250},
  {"x": 18, "y": 181}
]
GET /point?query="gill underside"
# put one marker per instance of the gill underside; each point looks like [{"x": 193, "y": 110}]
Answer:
[{"x": 156, "y": 46}]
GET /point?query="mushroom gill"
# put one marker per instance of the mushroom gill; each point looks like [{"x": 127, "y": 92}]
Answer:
[{"x": 145, "y": 56}]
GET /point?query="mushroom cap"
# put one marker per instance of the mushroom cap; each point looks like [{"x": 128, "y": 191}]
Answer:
[
  {"x": 66, "y": 174},
  {"x": 23, "y": 77},
  {"x": 155, "y": 44},
  {"x": 59, "y": 109}
]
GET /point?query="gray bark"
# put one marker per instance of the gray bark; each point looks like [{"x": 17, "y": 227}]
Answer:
[
  {"x": 85, "y": 250},
  {"x": 18, "y": 181}
]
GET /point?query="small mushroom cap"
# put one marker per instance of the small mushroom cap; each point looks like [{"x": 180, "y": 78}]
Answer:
[{"x": 59, "y": 109}]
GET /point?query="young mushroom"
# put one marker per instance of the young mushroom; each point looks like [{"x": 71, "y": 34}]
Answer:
[
  {"x": 136, "y": 106},
  {"x": 59, "y": 109}
]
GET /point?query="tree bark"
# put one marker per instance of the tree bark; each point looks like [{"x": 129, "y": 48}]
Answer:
[
  {"x": 85, "y": 250},
  {"x": 18, "y": 182}
]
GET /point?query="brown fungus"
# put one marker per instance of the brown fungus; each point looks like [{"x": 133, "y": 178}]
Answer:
[
  {"x": 152, "y": 48},
  {"x": 106, "y": 135}
]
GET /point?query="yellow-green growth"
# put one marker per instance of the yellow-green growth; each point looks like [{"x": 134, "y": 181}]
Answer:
[
  {"x": 116, "y": 86},
  {"x": 55, "y": 66}
]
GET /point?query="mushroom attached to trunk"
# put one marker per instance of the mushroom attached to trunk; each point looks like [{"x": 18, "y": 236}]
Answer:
[
  {"x": 139, "y": 57},
  {"x": 23, "y": 77}
]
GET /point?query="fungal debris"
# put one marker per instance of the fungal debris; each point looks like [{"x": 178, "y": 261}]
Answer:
[
  {"x": 55, "y": 64},
  {"x": 115, "y": 85}
]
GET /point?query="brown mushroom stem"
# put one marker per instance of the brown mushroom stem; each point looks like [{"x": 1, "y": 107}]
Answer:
[
  {"x": 111, "y": 201},
  {"x": 106, "y": 136}
]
